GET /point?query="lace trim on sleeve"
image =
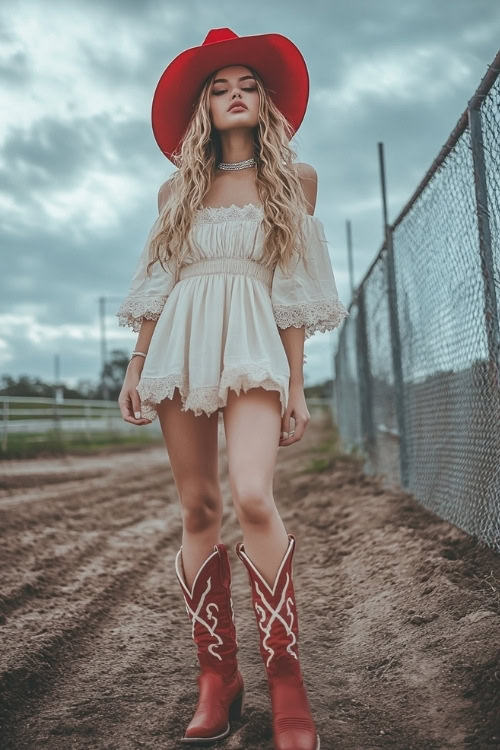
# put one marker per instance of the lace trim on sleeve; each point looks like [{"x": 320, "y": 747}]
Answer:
[
  {"x": 320, "y": 315},
  {"x": 134, "y": 310}
]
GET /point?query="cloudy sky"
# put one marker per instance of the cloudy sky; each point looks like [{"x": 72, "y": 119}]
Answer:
[{"x": 80, "y": 170}]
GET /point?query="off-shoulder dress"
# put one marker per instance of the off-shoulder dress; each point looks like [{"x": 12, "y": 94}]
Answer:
[{"x": 217, "y": 327}]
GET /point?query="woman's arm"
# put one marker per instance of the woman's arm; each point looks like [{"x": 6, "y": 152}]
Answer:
[
  {"x": 293, "y": 344},
  {"x": 129, "y": 400},
  {"x": 142, "y": 345},
  {"x": 148, "y": 326},
  {"x": 293, "y": 338}
]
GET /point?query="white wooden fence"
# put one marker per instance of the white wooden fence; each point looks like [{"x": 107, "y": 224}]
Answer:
[{"x": 39, "y": 415}]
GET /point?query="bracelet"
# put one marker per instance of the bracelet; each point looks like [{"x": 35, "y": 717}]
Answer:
[{"x": 141, "y": 354}]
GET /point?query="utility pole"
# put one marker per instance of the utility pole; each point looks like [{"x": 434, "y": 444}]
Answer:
[
  {"x": 56, "y": 370},
  {"x": 58, "y": 397},
  {"x": 104, "y": 356}
]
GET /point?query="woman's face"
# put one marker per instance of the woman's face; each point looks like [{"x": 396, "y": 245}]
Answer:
[{"x": 231, "y": 85}]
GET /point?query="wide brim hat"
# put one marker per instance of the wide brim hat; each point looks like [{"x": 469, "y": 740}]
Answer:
[{"x": 274, "y": 57}]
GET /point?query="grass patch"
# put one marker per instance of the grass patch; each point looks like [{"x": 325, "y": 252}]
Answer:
[
  {"x": 326, "y": 453},
  {"x": 33, "y": 445},
  {"x": 317, "y": 465},
  {"x": 47, "y": 410}
]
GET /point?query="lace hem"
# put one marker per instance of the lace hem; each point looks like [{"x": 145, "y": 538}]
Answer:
[
  {"x": 321, "y": 315},
  {"x": 208, "y": 399},
  {"x": 134, "y": 310}
]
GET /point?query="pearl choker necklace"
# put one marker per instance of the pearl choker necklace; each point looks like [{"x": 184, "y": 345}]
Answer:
[{"x": 237, "y": 164}]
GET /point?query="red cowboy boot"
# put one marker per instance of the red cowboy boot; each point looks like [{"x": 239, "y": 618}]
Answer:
[
  {"x": 276, "y": 614},
  {"x": 210, "y": 608}
]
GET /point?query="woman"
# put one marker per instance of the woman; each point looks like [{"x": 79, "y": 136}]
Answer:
[{"x": 234, "y": 276}]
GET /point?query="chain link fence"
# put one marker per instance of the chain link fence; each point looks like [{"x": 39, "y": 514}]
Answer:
[{"x": 417, "y": 385}]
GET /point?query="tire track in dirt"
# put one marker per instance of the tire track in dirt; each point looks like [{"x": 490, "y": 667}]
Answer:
[
  {"x": 71, "y": 532},
  {"x": 69, "y": 488},
  {"x": 9, "y": 484},
  {"x": 123, "y": 675},
  {"x": 46, "y": 636},
  {"x": 94, "y": 532},
  {"x": 49, "y": 469}
]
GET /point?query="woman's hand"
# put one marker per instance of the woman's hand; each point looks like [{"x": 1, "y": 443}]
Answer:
[
  {"x": 129, "y": 400},
  {"x": 297, "y": 409}
]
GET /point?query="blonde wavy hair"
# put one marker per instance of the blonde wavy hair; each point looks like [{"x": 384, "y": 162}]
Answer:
[{"x": 278, "y": 185}]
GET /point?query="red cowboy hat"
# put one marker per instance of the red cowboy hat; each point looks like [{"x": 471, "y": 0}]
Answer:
[{"x": 274, "y": 57}]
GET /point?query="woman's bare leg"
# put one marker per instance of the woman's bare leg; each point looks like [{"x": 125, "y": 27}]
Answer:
[
  {"x": 192, "y": 446},
  {"x": 252, "y": 423}
]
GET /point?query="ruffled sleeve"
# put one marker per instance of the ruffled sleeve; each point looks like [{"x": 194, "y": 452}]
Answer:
[
  {"x": 308, "y": 299},
  {"x": 147, "y": 295}
]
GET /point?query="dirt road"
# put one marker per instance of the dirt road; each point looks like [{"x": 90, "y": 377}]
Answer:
[{"x": 399, "y": 612}]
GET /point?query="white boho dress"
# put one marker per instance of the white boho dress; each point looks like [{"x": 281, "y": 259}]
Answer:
[{"x": 218, "y": 325}]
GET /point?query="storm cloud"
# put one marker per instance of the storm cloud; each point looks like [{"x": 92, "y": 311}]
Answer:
[{"x": 80, "y": 170}]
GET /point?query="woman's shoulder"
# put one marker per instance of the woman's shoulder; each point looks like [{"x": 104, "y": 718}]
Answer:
[
  {"x": 306, "y": 171},
  {"x": 309, "y": 181},
  {"x": 164, "y": 192}
]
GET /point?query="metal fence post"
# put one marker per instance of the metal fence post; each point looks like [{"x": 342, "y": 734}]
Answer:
[
  {"x": 86, "y": 411},
  {"x": 365, "y": 383},
  {"x": 5, "y": 423},
  {"x": 396, "y": 358},
  {"x": 57, "y": 422},
  {"x": 333, "y": 395},
  {"x": 485, "y": 250},
  {"x": 338, "y": 386}
]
